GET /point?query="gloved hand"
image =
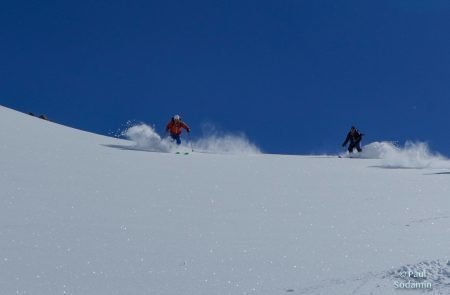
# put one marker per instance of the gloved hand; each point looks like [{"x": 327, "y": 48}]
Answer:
[{"x": 188, "y": 130}]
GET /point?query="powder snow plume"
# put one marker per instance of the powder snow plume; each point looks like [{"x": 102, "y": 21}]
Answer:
[
  {"x": 411, "y": 155},
  {"x": 226, "y": 144},
  {"x": 146, "y": 138}
]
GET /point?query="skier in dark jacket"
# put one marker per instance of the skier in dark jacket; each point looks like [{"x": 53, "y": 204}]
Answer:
[
  {"x": 354, "y": 137},
  {"x": 174, "y": 128}
]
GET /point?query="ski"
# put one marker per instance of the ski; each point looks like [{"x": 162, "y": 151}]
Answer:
[{"x": 182, "y": 153}]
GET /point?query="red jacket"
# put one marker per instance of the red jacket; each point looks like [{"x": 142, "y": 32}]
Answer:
[{"x": 176, "y": 127}]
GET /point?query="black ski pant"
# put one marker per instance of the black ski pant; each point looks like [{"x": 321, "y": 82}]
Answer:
[{"x": 356, "y": 144}]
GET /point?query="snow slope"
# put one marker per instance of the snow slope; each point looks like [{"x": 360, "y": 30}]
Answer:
[{"x": 87, "y": 214}]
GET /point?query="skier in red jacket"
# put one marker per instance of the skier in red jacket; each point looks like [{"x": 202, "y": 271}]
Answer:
[{"x": 175, "y": 126}]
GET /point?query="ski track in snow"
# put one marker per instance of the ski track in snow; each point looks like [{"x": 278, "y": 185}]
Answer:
[
  {"x": 437, "y": 274},
  {"x": 422, "y": 220}
]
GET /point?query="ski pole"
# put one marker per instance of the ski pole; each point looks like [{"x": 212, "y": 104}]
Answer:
[{"x": 190, "y": 141}]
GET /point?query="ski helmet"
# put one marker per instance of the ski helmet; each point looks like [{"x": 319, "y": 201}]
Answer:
[{"x": 177, "y": 117}]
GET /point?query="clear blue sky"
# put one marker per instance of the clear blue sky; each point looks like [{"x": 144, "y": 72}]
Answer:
[{"x": 292, "y": 75}]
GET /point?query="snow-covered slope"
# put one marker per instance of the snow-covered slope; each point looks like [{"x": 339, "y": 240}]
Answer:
[{"x": 83, "y": 214}]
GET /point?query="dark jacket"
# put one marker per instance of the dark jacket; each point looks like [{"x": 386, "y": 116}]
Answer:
[{"x": 354, "y": 137}]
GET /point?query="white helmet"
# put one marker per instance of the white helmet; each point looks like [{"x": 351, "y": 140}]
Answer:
[{"x": 177, "y": 117}]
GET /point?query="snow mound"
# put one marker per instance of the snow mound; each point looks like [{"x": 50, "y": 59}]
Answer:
[
  {"x": 146, "y": 138},
  {"x": 411, "y": 155}
]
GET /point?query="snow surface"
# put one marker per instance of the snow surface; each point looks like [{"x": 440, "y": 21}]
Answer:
[{"x": 87, "y": 214}]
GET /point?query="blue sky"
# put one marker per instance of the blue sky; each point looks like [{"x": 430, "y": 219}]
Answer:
[{"x": 292, "y": 75}]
